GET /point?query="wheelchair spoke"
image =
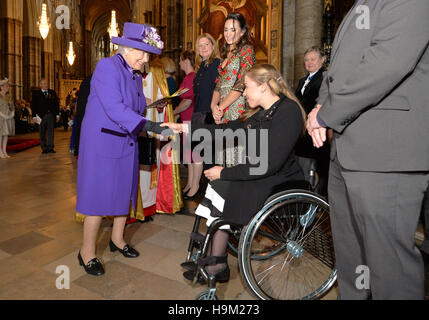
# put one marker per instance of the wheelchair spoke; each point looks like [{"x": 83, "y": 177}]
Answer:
[{"x": 291, "y": 249}]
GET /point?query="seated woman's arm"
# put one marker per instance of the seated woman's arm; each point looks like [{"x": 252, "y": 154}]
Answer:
[{"x": 282, "y": 136}]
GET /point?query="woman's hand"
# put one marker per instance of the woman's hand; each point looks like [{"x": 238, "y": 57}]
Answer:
[
  {"x": 213, "y": 173},
  {"x": 176, "y": 127},
  {"x": 217, "y": 114}
]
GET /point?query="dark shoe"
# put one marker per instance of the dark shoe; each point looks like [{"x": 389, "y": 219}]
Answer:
[
  {"x": 93, "y": 267},
  {"x": 189, "y": 265},
  {"x": 44, "y": 151},
  {"x": 51, "y": 151},
  {"x": 222, "y": 276},
  {"x": 188, "y": 197},
  {"x": 127, "y": 251}
]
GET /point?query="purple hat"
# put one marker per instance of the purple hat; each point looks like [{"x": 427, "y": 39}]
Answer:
[{"x": 140, "y": 37}]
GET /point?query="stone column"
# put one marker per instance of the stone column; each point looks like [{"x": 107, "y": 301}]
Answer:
[
  {"x": 308, "y": 31},
  {"x": 11, "y": 20},
  {"x": 288, "y": 59},
  {"x": 32, "y": 48}
]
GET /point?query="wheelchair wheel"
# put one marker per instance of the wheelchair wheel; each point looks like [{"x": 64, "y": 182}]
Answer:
[
  {"x": 207, "y": 295},
  {"x": 293, "y": 234}
]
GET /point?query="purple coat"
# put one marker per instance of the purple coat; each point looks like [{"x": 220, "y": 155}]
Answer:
[{"x": 107, "y": 175}]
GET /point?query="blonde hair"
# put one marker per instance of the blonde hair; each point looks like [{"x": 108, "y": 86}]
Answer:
[
  {"x": 266, "y": 73},
  {"x": 169, "y": 65},
  {"x": 214, "y": 55}
]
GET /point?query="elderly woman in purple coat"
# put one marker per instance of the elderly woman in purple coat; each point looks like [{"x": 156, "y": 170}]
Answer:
[{"x": 107, "y": 174}]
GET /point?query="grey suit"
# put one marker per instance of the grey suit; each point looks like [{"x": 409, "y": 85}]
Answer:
[{"x": 375, "y": 96}]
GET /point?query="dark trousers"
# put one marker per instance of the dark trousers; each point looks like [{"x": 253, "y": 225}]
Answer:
[
  {"x": 374, "y": 217},
  {"x": 46, "y": 131},
  {"x": 425, "y": 213}
]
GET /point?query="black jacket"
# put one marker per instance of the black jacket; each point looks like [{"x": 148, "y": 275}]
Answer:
[
  {"x": 82, "y": 99},
  {"x": 304, "y": 147},
  {"x": 42, "y": 105},
  {"x": 311, "y": 93},
  {"x": 247, "y": 192}
]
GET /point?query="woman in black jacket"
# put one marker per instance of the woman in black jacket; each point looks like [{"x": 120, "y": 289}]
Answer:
[
  {"x": 238, "y": 193},
  {"x": 207, "y": 63}
]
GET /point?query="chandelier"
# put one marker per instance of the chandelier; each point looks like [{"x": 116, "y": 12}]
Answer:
[
  {"x": 71, "y": 55},
  {"x": 43, "y": 22},
  {"x": 113, "y": 26}
]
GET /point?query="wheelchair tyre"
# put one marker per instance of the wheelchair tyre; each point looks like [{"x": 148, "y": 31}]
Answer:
[
  {"x": 206, "y": 295},
  {"x": 302, "y": 264}
]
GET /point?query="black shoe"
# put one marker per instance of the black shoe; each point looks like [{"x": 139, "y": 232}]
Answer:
[
  {"x": 222, "y": 276},
  {"x": 127, "y": 251},
  {"x": 51, "y": 151},
  {"x": 189, "y": 265},
  {"x": 93, "y": 267},
  {"x": 44, "y": 151},
  {"x": 188, "y": 197}
]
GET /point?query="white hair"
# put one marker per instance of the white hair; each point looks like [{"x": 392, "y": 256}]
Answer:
[{"x": 123, "y": 50}]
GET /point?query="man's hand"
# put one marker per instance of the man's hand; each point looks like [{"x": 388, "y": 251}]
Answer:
[
  {"x": 315, "y": 130},
  {"x": 213, "y": 173}
]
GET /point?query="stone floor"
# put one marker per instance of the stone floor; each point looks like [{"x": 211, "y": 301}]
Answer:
[{"x": 38, "y": 234}]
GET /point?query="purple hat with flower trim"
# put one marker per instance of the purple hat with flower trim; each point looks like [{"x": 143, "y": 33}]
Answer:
[{"x": 140, "y": 37}]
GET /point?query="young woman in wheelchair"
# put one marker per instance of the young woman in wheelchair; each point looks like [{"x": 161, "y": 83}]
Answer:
[{"x": 235, "y": 193}]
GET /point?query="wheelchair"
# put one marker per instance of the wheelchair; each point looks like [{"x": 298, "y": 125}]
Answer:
[{"x": 285, "y": 252}]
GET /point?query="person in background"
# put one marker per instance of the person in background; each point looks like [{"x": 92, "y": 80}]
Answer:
[
  {"x": 228, "y": 102},
  {"x": 170, "y": 72},
  {"x": 185, "y": 110},
  {"x": 7, "y": 113},
  {"x": 207, "y": 64},
  {"x": 82, "y": 99},
  {"x": 45, "y": 105},
  {"x": 307, "y": 92}
]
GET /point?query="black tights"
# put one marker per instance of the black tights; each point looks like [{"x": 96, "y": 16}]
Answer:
[{"x": 217, "y": 247}]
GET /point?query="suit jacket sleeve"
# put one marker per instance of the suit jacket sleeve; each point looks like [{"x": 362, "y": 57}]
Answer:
[
  {"x": 106, "y": 83},
  {"x": 323, "y": 91},
  {"x": 399, "y": 40}
]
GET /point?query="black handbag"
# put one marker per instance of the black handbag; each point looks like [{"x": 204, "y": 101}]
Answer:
[{"x": 147, "y": 150}]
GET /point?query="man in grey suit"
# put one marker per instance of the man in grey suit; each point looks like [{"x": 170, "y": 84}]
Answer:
[{"x": 375, "y": 96}]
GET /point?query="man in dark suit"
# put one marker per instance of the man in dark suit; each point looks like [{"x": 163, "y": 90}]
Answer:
[
  {"x": 45, "y": 104},
  {"x": 307, "y": 92},
  {"x": 375, "y": 97},
  {"x": 82, "y": 99}
]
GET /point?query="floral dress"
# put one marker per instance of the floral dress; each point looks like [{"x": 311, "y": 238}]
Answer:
[{"x": 231, "y": 77}]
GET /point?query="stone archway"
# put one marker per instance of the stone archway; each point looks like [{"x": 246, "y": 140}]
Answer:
[{"x": 97, "y": 17}]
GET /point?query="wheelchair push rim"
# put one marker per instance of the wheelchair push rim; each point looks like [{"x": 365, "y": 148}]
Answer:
[{"x": 304, "y": 268}]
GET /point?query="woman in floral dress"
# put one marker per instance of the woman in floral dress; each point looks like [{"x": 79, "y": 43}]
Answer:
[{"x": 238, "y": 55}]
